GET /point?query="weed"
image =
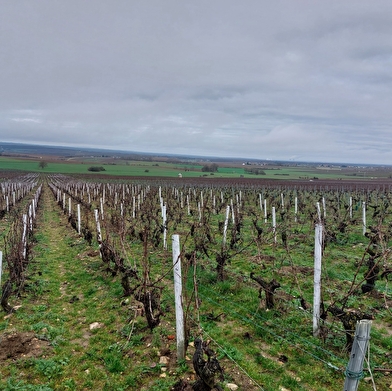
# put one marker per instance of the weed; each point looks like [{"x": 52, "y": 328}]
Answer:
[
  {"x": 49, "y": 368},
  {"x": 91, "y": 291},
  {"x": 70, "y": 384},
  {"x": 113, "y": 359},
  {"x": 229, "y": 351},
  {"x": 182, "y": 367},
  {"x": 14, "y": 385},
  {"x": 157, "y": 337},
  {"x": 40, "y": 308},
  {"x": 135, "y": 340},
  {"x": 161, "y": 384}
]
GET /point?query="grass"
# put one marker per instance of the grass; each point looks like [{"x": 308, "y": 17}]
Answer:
[{"x": 79, "y": 357}]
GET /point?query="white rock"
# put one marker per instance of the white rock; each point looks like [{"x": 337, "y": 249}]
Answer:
[
  {"x": 163, "y": 360},
  {"x": 95, "y": 325},
  {"x": 232, "y": 386}
]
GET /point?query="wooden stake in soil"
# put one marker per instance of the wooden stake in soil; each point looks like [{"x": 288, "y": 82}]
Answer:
[
  {"x": 318, "y": 211},
  {"x": 164, "y": 226},
  {"x": 274, "y": 223},
  {"x": 295, "y": 208},
  {"x": 24, "y": 236},
  {"x": 78, "y": 206},
  {"x": 318, "y": 244},
  {"x": 355, "y": 366},
  {"x": 363, "y": 218},
  {"x": 351, "y": 207},
  {"x": 180, "y": 332},
  {"x": 1, "y": 265},
  {"x": 226, "y": 224},
  {"x": 99, "y": 235}
]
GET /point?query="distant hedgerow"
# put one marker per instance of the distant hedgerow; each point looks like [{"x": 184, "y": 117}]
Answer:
[{"x": 96, "y": 168}]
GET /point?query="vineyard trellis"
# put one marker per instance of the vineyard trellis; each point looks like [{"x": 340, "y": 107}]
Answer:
[
  {"x": 233, "y": 243},
  {"x": 18, "y": 238}
]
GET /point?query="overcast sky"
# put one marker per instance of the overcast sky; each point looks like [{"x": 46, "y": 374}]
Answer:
[{"x": 284, "y": 79}]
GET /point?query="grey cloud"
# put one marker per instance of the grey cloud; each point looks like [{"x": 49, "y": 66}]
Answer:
[{"x": 248, "y": 79}]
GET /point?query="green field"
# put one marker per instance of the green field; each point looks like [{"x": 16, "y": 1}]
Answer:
[{"x": 140, "y": 168}]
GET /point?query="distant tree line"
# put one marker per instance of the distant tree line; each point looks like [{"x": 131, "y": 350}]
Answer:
[
  {"x": 210, "y": 168},
  {"x": 254, "y": 171},
  {"x": 96, "y": 168}
]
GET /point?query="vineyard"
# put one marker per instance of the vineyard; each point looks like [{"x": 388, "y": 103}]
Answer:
[{"x": 88, "y": 296}]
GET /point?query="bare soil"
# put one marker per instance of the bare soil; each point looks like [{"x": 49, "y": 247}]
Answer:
[{"x": 22, "y": 345}]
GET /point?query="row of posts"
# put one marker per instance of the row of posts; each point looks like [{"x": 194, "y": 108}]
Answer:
[
  {"x": 27, "y": 219},
  {"x": 350, "y": 379},
  {"x": 354, "y": 368}
]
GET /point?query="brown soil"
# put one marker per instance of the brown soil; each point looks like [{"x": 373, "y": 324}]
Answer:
[{"x": 22, "y": 345}]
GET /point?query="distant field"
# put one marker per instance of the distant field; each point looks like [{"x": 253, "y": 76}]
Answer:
[{"x": 139, "y": 168}]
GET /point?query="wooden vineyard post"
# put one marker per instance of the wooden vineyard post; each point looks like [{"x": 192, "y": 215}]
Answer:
[
  {"x": 232, "y": 211},
  {"x": 33, "y": 208},
  {"x": 134, "y": 207},
  {"x": 226, "y": 224},
  {"x": 318, "y": 211},
  {"x": 355, "y": 365},
  {"x": 363, "y": 218},
  {"x": 1, "y": 265},
  {"x": 78, "y": 206},
  {"x": 24, "y": 236},
  {"x": 30, "y": 215},
  {"x": 101, "y": 203},
  {"x": 99, "y": 235},
  {"x": 274, "y": 223},
  {"x": 351, "y": 207},
  {"x": 318, "y": 243},
  {"x": 180, "y": 331},
  {"x": 295, "y": 209},
  {"x": 164, "y": 226},
  {"x": 265, "y": 210}
]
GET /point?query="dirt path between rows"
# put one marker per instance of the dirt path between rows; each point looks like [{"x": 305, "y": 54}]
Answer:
[{"x": 53, "y": 310}]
